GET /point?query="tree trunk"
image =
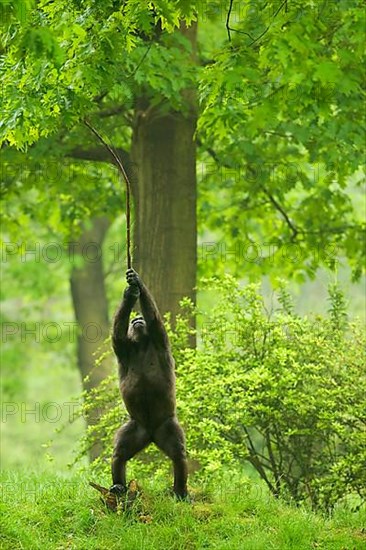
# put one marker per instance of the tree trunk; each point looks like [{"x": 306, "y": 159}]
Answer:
[
  {"x": 164, "y": 153},
  {"x": 91, "y": 310}
]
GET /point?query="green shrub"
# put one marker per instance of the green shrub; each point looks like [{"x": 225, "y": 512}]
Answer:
[{"x": 283, "y": 392}]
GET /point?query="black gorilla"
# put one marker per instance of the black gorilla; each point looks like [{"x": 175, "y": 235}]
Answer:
[{"x": 147, "y": 383}]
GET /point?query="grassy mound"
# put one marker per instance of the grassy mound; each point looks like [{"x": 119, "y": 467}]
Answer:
[{"x": 50, "y": 512}]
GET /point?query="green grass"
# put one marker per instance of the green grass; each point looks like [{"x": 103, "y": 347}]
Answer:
[{"x": 44, "y": 511}]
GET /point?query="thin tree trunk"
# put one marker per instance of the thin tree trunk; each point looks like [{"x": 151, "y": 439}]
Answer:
[{"x": 91, "y": 310}]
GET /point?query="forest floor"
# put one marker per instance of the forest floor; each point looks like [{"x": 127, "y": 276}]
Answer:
[{"x": 44, "y": 511}]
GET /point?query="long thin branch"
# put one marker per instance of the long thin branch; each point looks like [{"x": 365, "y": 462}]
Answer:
[
  {"x": 273, "y": 462},
  {"x": 228, "y": 20},
  {"x": 104, "y": 113},
  {"x": 284, "y": 3},
  {"x": 141, "y": 60},
  {"x": 128, "y": 188},
  {"x": 278, "y": 207},
  {"x": 253, "y": 459},
  {"x": 253, "y": 40},
  {"x": 98, "y": 154}
]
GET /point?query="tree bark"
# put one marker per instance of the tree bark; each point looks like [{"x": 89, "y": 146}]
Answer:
[
  {"x": 91, "y": 311},
  {"x": 164, "y": 154}
]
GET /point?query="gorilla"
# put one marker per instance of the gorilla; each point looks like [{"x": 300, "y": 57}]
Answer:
[{"x": 147, "y": 384}]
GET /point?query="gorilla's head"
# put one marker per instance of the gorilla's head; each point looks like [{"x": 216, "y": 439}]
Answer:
[{"x": 137, "y": 329}]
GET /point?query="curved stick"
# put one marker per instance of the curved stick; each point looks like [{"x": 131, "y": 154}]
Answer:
[{"x": 128, "y": 188}]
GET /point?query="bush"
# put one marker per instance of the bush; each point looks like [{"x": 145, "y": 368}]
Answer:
[{"x": 283, "y": 392}]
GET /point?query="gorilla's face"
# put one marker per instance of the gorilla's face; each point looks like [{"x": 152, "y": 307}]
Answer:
[{"x": 137, "y": 328}]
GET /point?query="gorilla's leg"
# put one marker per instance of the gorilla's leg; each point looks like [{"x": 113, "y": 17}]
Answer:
[
  {"x": 169, "y": 437},
  {"x": 130, "y": 439}
]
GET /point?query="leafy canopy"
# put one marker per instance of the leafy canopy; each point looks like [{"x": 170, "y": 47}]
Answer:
[
  {"x": 281, "y": 121},
  {"x": 280, "y": 140},
  {"x": 61, "y": 56}
]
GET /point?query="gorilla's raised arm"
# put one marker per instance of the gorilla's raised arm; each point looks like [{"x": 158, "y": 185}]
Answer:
[
  {"x": 149, "y": 310},
  {"x": 122, "y": 317}
]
